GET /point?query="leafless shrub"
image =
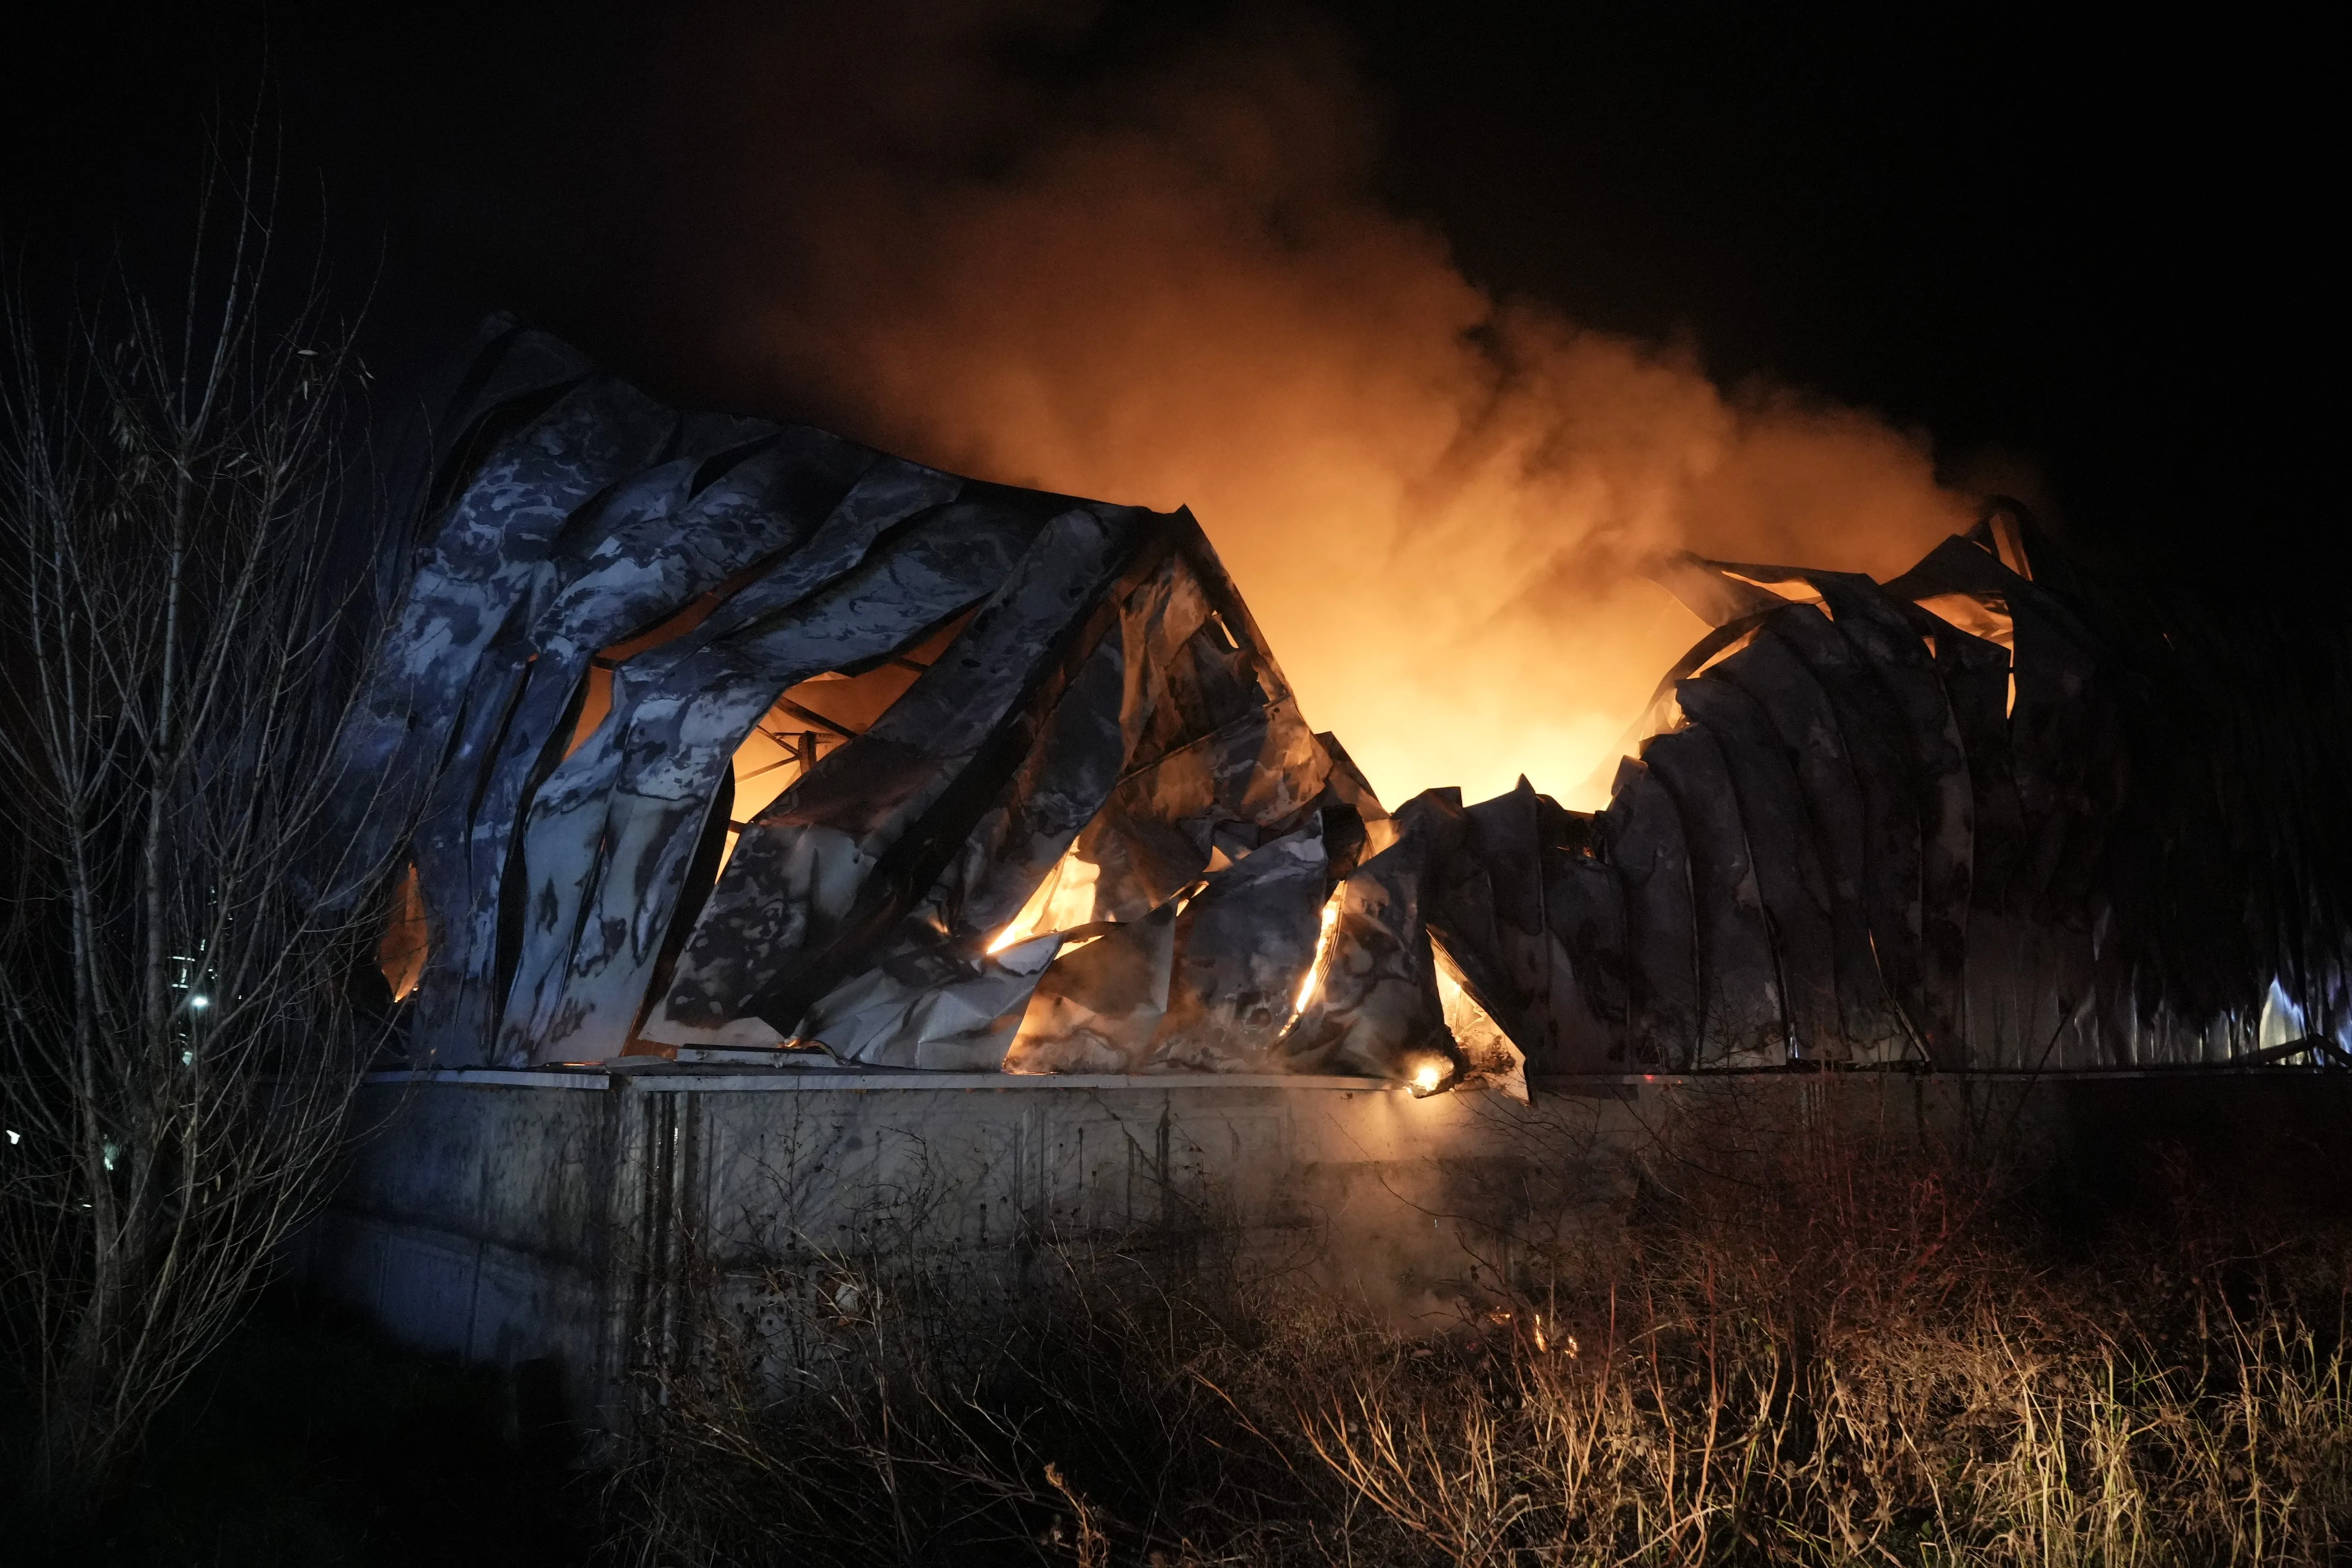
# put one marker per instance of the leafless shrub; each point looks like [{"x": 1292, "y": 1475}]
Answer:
[
  {"x": 901, "y": 1402},
  {"x": 178, "y": 622}
]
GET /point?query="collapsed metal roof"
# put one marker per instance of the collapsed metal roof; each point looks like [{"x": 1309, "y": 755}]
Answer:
[
  {"x": 739, "y": 734},
  {"x": 964, "y": 687}
]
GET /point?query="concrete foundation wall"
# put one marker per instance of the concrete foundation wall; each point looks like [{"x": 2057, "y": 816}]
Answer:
[{"x": 514, "y": 1217}]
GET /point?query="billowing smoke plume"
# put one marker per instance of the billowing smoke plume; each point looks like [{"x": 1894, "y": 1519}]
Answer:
[{"x": 1173, "y": 285}]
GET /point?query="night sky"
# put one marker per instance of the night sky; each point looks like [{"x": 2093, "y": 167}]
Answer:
[{"x": 2085, "y": 258}]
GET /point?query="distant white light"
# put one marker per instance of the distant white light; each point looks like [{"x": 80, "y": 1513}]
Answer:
[
  {"x": 200, "y": 1002},
  {"x": 14, "y": 1136}
]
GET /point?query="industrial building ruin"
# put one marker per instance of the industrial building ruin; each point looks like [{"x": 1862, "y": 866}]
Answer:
[
  {"x": 742, "y": 738},
  {"x": 811, "y": 848}
]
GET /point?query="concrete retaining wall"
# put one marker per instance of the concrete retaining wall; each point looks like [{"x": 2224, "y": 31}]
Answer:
[{"x": 541, "y": 1216}]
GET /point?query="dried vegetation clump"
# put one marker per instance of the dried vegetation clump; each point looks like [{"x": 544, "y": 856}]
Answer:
[{"x": 1846, "y": 1354}]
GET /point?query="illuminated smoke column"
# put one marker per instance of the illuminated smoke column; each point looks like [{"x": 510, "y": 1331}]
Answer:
[{"x": 1177, "y": 288}]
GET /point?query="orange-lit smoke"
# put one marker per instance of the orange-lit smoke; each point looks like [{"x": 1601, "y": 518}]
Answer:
[{"x": 1179, "y": 290}]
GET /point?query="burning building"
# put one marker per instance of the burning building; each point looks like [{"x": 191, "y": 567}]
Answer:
[
  {"x": 812, "y": 848},
  {"x": 745, "y": 741}
]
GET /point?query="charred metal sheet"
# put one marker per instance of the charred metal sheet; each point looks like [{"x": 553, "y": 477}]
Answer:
[
  {"x": 568, "y": 831},
  {"x": 1741, "y": 1021},
  {"x": 511, "y": 376},
  {"x": 1976, "y": 676},
  {"x": 1642, "y": 835},
  {"x": 1772, "y": 674},
  {"x": 1098, "y": 1008},
  {"x": 1478, "y": 877},
  {"x": 741, "y": 502},
  {"x": 1966, "y": 564},
  {"x": 2064, "y": 743},
  {"x": 1375, "y": 1007},
  {"x": 1059, "y": 786},
  {"x": 1155, "y": 617},
  {"x": 1585, "y": 907},
  {"x": 1203, "y": 683},
  {"x": 1489, "y": 911},
  {"x": 1049, "y": 776},
  {"x": 1505, "y": 835},
  {"x": 2061, "y": 743},
  {"x": 618, "y": 568},
  {"x": 2058, "y": 998},
  {"x": 2002, "y": 1030},
  {"x": 1219, "y": 759},
  {"x": 1882, "y": 629},
  {"x": 1709, "y": 590},
  {"x": 613, "y": 829},
  {"x": 938, "y": 1011},
  {"x": 1232, "y": 611},
  {"x": 1345, "y": 784},
  {"x": 1558, "y": 998},
  {"x": 1487, "y": 1055},
  {"x": 1459, "y": 899},
  {"x": 1508, "y": 835},
  {"x": 1025, "y": 699},
  {"x": 1787, "y": 863},
  {"x": 1976, "y": 682},
  {"x": 832, "y": 854},
  {"x": 1872, "y": 729},
  {"x": 1224, "y": 772},
  {"x": 451, "y": 674},
  {"x": 1261, "y": 772},
  {"x": 1244, "y": 947}
]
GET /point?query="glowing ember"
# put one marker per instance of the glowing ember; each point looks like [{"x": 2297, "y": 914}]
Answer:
[
  {"x": 1427, "y": 1077},
  {"x": 401, "y": 954},
  {"x": 1064, "y": 900},
  {"x": 1314, "y": 980}
]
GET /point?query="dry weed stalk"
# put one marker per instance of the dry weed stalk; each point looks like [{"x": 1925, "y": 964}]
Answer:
[
  {"x": 1863, "y": 1369},
  {"x": 1845, "y": 1351},
  {"x": 886, "y": 1407}
]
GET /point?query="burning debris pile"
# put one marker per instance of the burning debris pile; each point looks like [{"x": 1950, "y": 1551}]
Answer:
[{"x": 740, "y": 735}]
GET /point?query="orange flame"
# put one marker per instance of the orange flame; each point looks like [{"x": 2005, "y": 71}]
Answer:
[{"x": 1314, "y": 980}]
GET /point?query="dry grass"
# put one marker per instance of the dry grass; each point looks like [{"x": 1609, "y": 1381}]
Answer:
[{"x": 1841, "y": 1354}]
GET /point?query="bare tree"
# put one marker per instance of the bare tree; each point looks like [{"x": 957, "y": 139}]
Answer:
[{"x": 179, "y": 621}]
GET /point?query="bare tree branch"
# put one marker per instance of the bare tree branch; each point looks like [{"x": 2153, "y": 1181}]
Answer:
[{"x": 178, "y": 1045}]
